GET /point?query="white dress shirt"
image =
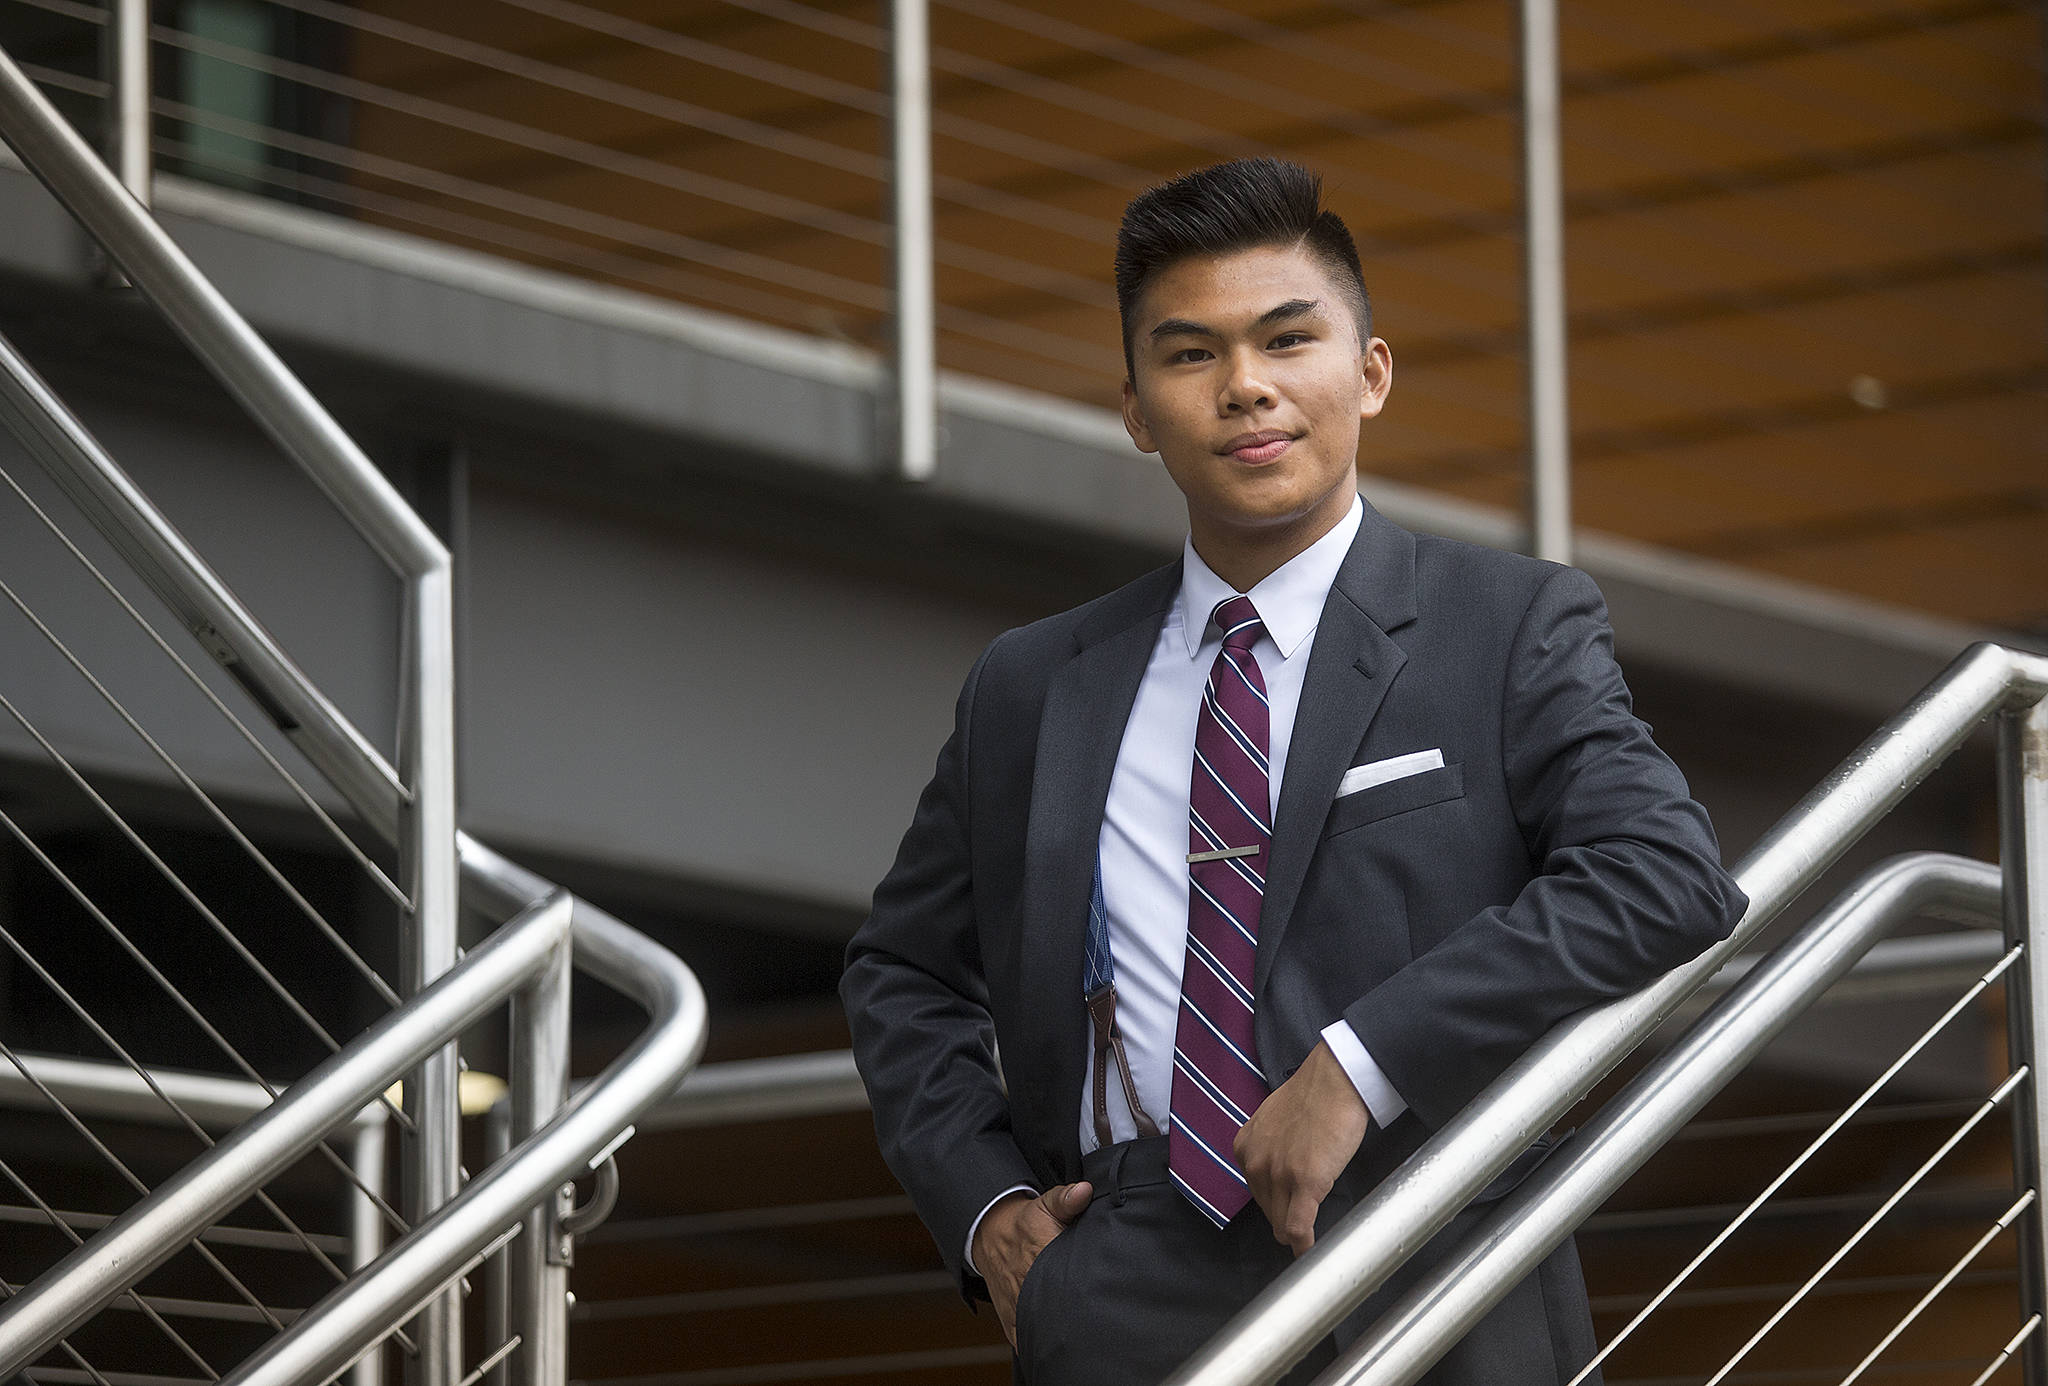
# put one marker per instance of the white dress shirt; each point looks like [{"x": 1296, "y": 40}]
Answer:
[{"x": 1144, "y": 840}]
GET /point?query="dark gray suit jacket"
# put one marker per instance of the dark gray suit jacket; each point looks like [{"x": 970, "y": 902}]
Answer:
[{"x": 1555, "y": 860}]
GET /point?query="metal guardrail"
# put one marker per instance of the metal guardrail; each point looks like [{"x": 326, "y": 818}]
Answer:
[
  {"x": 1656, "y": 1104},
  {"x": 526, "y": 962},
  {"x": 424, "y": 825},
  {"x": 105, "y": 1090},
  {"x": 1410, "y": 1206}
]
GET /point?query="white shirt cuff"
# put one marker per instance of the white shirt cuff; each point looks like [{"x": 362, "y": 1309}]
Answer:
[
  {"x": 1373, "y": 1088},
  {"x": 968, "y": 1255}
]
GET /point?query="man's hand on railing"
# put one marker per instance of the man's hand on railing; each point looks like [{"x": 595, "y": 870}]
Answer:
[
  {"x": 1298, "y": 1142},
  {"x": 1012, "y": 1234}
]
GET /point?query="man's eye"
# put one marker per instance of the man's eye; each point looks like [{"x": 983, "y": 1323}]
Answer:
[
  {"x": 1288, "y": 339},
  {"x": 1186, "y": 354}
]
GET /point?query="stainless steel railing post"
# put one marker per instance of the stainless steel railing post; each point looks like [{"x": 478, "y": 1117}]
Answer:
[
  {"x": 127, "y": 64},
  {"x": 366, "y": 1229},
  {"x": 537, "y": 1265},
  {"x": 2023, "y": 855},
  {"x": 1550, "y": 464},
  {"x": 497, "y": 1285},
  {"x": 426, "y": 765},
  {"x": 910, "y": 186}
]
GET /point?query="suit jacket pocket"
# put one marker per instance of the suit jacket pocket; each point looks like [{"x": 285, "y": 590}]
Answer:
[{"x": 1395, "y": 796}]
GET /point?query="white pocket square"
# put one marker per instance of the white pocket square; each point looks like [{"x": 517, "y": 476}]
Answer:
[{"x": 1392, "y": 768}]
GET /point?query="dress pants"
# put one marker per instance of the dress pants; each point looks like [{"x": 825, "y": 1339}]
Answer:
[{"x": 1140, "y": 1280}]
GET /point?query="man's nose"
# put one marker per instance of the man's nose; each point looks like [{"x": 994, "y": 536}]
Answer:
[{"x": 1244, "y": 384}]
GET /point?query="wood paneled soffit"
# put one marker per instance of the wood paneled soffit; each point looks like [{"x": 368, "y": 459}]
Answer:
[
  {"x": 2023, "y": 256},
  {"x": 1315, "y": 138}
]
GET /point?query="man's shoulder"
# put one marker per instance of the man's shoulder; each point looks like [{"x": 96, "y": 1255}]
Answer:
[{"x": 1476, "y": 581}]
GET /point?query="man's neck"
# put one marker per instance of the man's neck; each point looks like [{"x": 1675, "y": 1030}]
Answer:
[{"x": 1246, "y": 557}]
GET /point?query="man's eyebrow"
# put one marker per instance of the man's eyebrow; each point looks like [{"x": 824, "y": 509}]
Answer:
[{"x": 1182, "y": 327}]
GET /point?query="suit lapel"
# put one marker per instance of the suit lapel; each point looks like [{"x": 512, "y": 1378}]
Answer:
[
  {"x": 1087, "y": 704},
  {"x": 1351, "y": 666}
]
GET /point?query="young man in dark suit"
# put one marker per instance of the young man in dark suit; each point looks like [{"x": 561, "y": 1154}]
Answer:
[{"x": 1256, "y": 870}]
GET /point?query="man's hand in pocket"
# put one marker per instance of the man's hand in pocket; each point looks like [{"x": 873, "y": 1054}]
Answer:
[{"x": 1013, "y": 1233}]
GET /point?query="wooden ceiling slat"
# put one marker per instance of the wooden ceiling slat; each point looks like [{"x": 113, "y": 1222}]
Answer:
[{"x": 1993, "y": 571}]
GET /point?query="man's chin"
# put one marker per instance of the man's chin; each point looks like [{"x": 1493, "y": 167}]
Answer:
[{"x": 1252, "y": 511}]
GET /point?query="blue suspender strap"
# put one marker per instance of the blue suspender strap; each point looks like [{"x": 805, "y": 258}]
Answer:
[
  {"x": 1098, "y": 985},
  {"x": 1101, "y": 965}
]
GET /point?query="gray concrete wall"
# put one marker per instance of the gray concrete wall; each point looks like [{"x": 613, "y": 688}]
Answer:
[
  {"x": 268, "y": 533},
  {"x": 695, "y": 707}
]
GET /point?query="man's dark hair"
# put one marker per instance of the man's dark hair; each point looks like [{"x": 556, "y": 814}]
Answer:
[{"x": 1229, "y": 207}]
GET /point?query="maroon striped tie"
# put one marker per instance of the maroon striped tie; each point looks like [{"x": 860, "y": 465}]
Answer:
[{"x": 1216, "y": 1080}]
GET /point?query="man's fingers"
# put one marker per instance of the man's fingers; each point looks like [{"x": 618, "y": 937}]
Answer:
[
  {"x": 1293, "y": 1218},
  {"x": 1065, "y": 1202}
]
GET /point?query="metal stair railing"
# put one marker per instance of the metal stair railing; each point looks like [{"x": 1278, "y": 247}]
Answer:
[
  {"x": 521, "y": 1198},
  {"x": 110, "y": 1090},
  {"x": 1655, "y": 1105},
  {"x": 1388, "y": 1226}
]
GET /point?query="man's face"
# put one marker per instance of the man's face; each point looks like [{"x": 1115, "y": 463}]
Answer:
[{"x": 1250, "y": 383}]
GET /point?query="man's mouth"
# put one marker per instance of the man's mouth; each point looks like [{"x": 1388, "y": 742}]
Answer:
[{"x": 1255, "y": 448}]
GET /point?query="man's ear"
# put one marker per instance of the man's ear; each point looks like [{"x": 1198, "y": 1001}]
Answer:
[
  {"x": 1376, "y": 367},
  {"x": 1134, "y": 420}
]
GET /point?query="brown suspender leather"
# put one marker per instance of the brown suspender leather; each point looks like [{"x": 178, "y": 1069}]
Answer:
[{"x": 1108, "y": 1039}]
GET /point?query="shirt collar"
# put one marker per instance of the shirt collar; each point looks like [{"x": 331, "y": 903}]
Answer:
[{"x": 1289, "y": 599}]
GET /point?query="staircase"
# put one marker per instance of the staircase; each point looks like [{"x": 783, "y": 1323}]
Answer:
[{"x": 237, "y": 1223}]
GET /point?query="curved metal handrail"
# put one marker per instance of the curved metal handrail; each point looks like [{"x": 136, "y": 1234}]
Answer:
[
  {"x": 1411, "y": 1205},
  {"x": 353, "y": 1317}
]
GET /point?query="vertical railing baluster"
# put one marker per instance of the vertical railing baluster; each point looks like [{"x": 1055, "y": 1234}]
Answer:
[
  {"x": 914, "y": 338},
  {"x": 1550, "y": 466},
  {"x": 426, "y": 765},
  {"x": 497, "y": 1268},
  {"x": 537, "y": 1267},
  {"x": 127, "y": 71},
  {"x": 366, "y": 1230},
  {"x": 2023, "y": 856}
]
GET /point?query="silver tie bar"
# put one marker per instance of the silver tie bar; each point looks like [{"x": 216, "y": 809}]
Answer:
[{"x": 1225, "y": 855}]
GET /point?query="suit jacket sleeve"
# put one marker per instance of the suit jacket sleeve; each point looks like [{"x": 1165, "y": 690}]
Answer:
[
  {"x": 917, "y": 1004},
  {"x": 1628, "y": 880}
]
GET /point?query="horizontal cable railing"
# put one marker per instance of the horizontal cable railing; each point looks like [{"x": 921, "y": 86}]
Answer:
[
  {"x": 738, "y": 162},
  {"x": 328, "y": 1098},
  {"x": 1408, "y": 1208}
]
